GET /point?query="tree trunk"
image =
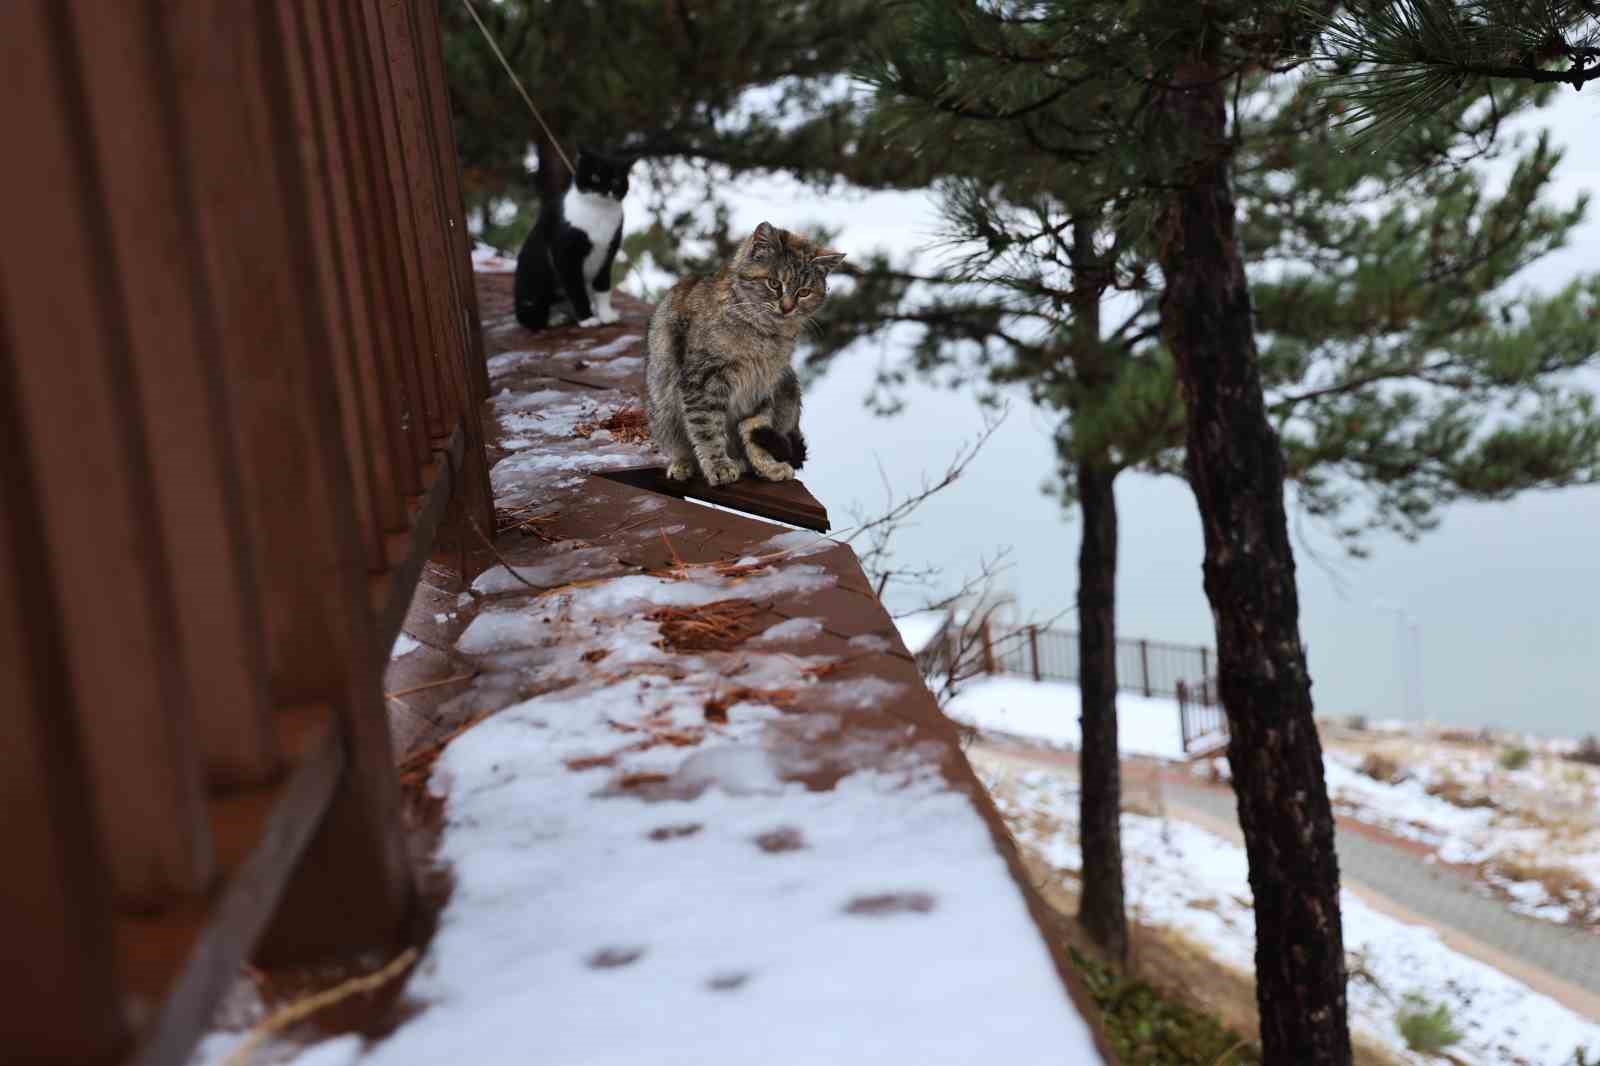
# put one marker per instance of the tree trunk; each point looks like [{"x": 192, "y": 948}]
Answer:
[
  {"x": 1236, "y": 469},
  {"x": 1100, "y": 908}
]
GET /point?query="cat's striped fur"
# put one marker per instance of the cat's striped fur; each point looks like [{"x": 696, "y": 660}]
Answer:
[{"x": 719, "y": 389}]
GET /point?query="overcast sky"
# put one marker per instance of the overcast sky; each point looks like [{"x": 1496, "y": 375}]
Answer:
[{"x": 1506, "y": 597}]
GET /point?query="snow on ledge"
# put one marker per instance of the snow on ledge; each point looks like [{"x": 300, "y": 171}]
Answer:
[{"x": 732, "y": 914}]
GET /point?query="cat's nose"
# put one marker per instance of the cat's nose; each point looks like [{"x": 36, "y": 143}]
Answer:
[{"x": 787, "y": 306}]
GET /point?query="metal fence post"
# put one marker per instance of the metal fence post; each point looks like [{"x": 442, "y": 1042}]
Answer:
[
  {"x": 1144, "y": 662},
  {"x": 1033, "y": 646},
  {"x": 1183, "y": 714},
  {"x": 988, "y": 647}
]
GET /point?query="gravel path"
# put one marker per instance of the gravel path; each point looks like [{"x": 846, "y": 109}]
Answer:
[{"x": 1441, "y": 896}]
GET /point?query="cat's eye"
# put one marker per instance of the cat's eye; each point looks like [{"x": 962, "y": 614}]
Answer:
[
  {"x": 803, "y": 293},
  {"x": 773, "y": 285}
]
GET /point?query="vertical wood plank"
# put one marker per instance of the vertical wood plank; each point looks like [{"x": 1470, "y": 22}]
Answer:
[
  {"x": 375, "y": 211},
  {"x": 352, "y": 888},
  {"x": 340, "y": 272},
  {"x": 422, "y": 184},
  {"x": 429, "y": 34},
  {"x": 58, "y": 979},
  {"x": 476, "y": 498},
  {"x": 402, "y": 222},
  {"x": 342, "y": 92},
  {"x": 65, "y": 309},
  {"x": 172, "y": 335}
]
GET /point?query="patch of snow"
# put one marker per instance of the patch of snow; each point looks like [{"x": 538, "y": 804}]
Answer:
[
  {"x": 615, "y": 347},
  {"x": 790, "y": 629},
  {"x": 404, "y": 644},
  {"x": 919, "y": 630},
  {"x": 738, "y": 770},
  {"x": 870, "y": 642},
  {"x": 1047, "y": 712},
  {"x": 561, "y": 568},
  {"x": 797, "y": 544},
  {"x": 487, "y": 260},
  {"x": 861, "y": 693}
]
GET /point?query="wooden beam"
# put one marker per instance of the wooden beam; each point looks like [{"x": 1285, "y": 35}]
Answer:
[
  {"x": 66, "y": 311},
  {"x": 262, "y": 834},
  {"x": 172, "y": 333},
  {"x": 58, "y": 975},
  {"x": 782, "y": 501},
  {"x": 353, "y": 888}
]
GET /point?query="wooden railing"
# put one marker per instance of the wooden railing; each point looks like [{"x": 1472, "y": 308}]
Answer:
[{"x": 240, "y": 377}]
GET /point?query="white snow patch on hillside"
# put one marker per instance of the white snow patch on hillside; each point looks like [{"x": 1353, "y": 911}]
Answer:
[
  {"x": 1185, "y": 878},
  {"x": 919, "y": 629},
  {"x": 1047, "y": 712}
]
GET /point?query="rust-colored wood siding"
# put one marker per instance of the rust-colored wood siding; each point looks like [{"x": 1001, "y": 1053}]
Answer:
[{"x": 240, "y": 381}]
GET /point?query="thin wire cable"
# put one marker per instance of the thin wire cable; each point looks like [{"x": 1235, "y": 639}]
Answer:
[{"x": 487, "y": 36}]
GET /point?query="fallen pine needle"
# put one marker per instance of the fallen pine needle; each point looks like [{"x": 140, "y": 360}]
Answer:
[
  {"x": 431, "y": 684},
  {"x": 301, "y": 1009}
]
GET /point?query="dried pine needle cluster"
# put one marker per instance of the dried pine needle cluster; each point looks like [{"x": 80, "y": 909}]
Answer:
[
  {"x": 627, "y": 425},
  {"x": 720, "y": 626}
]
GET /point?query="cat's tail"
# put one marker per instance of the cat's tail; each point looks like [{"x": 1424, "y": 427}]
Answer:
[{"x": 797, "y": 448}]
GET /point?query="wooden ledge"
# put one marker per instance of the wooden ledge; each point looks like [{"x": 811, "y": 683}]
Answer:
[{"x": 781, "y": 501}]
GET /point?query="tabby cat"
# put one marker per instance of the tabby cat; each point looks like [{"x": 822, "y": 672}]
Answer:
[{"x": 720, "y": 393}]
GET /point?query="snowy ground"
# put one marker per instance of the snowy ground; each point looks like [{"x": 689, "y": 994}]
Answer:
[
  {"x": 487, "y": 260},
  {"x": 1047, "y": 712},
  {"x": 1187, "y": 879},
  {"x": 919, "y": 628},
  {"x": 1533, "y": 832}
]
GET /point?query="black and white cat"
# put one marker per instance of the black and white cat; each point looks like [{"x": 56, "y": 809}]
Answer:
[{"x": 568, "y": 254}]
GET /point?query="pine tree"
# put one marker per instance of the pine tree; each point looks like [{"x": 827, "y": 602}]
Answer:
[
  {"x": 1397, "y": 59},
  {"x": 1386, "y": 349},
  {"x": 660, "y": 81},
  {"x": 1012, "y": 82}
]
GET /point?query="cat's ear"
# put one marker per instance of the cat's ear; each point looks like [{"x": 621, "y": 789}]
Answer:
[
  {"x": 764, "y": 241},
  {"x": 826, "y": 261}
]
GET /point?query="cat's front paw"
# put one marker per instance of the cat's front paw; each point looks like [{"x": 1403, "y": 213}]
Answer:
[
  {"x": 722, "y": 472},
  {"x": 680, "y": 470},
  {"x": 607, "y": 317},
  {"x": 589, "y": 323}
]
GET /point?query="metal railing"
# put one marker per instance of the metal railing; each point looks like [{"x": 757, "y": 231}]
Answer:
[
  {"x": 1148, "y": 667},
  {"x": 240, "y": 381},
  {"x": 1145, "y": 667},
  {"x": 1201, "y": 718}
]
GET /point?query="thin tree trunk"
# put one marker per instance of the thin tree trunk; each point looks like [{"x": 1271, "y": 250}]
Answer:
[
  {"x": 1100, "y": 908},
  {"x": 1236, "y": 469}
]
